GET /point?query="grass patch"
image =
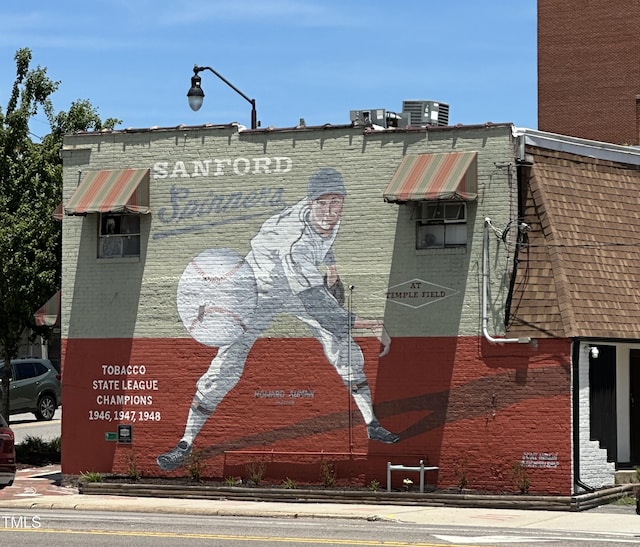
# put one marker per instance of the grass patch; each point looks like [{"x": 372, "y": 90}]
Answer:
[
  {"x": 91, "y": 476},
  {"x": 627, "y": 499}
]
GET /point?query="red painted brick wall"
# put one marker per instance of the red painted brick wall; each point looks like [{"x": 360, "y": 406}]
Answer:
[
  {"x": 472, "y": 408},
  {"x": 589, "y": 69}
]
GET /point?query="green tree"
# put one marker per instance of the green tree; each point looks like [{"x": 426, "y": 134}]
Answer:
[{"x": 30, "y": 190}]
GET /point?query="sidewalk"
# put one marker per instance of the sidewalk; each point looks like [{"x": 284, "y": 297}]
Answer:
[{"x": 35, "y": 489}]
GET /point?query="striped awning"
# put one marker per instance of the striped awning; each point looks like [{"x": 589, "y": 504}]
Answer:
[
  {"x": 111, "y": 191},
  {"x": 49, "y": 314},
  {"x": 452, "y": 175},
  {"x": 58, "y": 213}
]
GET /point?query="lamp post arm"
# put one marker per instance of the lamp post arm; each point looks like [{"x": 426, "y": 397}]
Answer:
[{"x": 254, "y": 118}]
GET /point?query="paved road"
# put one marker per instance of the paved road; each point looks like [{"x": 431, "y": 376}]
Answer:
[
  {"x": 25, "y": 425},
  {"x": 77, "y": 528},
  {"x": 37, "y": 491}
]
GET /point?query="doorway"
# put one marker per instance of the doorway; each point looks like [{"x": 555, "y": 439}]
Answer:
[
  {"x": 634, "y": 405},
  {"x": 602, "y": 395}
]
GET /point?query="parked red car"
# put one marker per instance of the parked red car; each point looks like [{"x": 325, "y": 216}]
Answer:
[{"x": 7, "y": 454}]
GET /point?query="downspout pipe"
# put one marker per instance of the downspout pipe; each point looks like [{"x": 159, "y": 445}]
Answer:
[{"x": 485, "y": 291}]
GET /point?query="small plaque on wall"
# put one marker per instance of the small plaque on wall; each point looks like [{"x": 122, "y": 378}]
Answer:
[{"x": 125, "y": 433}]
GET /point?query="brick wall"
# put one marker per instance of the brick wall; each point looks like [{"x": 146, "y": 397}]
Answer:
[
  {"x": 455, "y": 400},
  {"x": 475, "y": 410},
  {"x": 589, "y": 69}
]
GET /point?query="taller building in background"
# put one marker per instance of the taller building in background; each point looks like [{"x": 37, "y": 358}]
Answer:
[{"x": 589, "y": 69}]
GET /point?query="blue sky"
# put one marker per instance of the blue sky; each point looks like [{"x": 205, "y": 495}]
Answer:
[{"x": 311, "y": 59}]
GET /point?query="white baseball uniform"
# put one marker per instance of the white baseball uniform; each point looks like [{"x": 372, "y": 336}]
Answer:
[{"x": 286, "y": 256}]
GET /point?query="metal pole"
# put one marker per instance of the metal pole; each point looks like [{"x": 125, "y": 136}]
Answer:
[{"x": 350, "y": 387}]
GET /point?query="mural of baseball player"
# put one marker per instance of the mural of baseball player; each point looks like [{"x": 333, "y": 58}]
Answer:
[{"x": 294, "y": 272}]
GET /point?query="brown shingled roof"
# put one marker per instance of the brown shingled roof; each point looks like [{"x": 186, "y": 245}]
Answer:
[{"x": 578, "y": 273}]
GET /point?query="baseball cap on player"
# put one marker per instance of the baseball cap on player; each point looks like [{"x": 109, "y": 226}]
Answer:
[{"x": 325, "y": 181}]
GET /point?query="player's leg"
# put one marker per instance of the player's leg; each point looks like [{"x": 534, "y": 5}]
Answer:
[
  {"x": 347, "y": 358},
  {"x": 222, "y": 375}
]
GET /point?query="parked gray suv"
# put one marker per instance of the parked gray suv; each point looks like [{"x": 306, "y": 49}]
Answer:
[{"x": 35, "y": 387}]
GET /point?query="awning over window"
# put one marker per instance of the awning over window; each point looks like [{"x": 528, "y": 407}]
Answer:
[
  {"x": 58, "y": 213},
  {"x": 117, "y": 191},
  {"x": 453, "y": 175},
  {"x": 49, "y": 314}
]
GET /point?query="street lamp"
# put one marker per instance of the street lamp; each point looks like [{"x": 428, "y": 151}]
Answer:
[{"x": 196, "y": 95}]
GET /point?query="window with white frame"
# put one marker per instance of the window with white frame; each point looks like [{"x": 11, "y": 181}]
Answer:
[
  {"x": 441, "y": 224},
  {"x": 119, "y": 236}
]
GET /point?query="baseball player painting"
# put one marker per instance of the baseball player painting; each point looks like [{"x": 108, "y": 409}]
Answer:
[{"x": 295, "y": 272}]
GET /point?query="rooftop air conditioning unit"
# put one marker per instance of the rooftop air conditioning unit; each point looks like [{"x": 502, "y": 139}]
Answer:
[
  {"x": 369, "y": 116},
  {"x": 380, "y": 117},
  {"x": 426, "y": 112}
]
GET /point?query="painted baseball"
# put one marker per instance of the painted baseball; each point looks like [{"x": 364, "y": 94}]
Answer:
[{"x": 217, "y": 296}]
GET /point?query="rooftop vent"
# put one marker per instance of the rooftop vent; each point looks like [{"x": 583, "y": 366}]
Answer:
[{"x": 426, "y": 112}]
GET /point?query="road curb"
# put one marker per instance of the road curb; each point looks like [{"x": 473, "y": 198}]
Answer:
[{"x": 199, "y": 507}]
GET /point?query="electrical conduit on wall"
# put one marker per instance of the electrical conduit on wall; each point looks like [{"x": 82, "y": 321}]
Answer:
[{"x": 485, "y": 289}]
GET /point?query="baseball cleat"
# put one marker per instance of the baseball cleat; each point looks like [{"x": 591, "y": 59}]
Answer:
[
  {"x": 376, "y": 432},
  {"x": 176, "y": 457}
]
